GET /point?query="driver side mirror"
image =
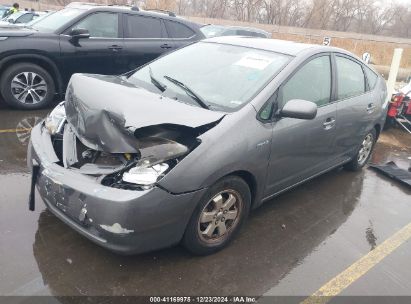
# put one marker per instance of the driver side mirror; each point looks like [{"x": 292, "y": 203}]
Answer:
[
  {"x": 300, "y": 109},
  {"x": 10, "y": 20},
  {"x": 79, "y": 33}
]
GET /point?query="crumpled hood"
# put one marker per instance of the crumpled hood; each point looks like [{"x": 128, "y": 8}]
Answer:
[{"x": 107, "y": 111}]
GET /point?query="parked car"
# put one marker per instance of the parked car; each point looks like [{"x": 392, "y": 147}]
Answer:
[
  {"x": 212, "y": 30},
  {"x": 36, "y": 63},
  {"x": 22, "y": 23},
  {"x": 3, "y": 11},
  {"x": 21, "y": 17},
  {"x": 181, "y": 149}
]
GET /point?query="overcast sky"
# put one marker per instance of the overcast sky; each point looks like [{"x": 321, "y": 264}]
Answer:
[{"x": 385, "y": 2}]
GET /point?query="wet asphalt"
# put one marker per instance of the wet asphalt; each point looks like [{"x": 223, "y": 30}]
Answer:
[{"x": 290, "y": 246}]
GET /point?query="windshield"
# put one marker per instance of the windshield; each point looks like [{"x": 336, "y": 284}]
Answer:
[
  {"x": 212, "y": 30},
  {"x": 223, "y": 76},
  {"x": 14, "y": 16},
  {"x": 56, "y": 20},
  {"x": 3, "y": 11},
  {"x": 39, "y": 18}
]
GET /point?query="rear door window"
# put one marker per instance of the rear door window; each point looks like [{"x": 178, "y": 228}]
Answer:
[
  {"x": 312, "y": 82},
  {"x": 25, "y": 18},
  {"x": 178, "y": 30},
  {"x": 350, "y": 78},
  {"x": 144, "y": 27}
]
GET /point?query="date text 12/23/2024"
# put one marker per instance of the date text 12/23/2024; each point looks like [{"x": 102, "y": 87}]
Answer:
[{"x": 204, "y": 299}]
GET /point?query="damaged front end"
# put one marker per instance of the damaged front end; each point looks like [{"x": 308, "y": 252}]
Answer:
[
  {"x": 155, "y": 151},
  {"x": 128, "y": 144},
  {"x": 96, "y": 163}
]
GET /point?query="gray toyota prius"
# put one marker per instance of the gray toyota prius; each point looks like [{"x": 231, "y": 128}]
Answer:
[{"x": 183, "y": 148}]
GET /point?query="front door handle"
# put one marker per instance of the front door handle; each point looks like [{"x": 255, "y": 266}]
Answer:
[
  {"x": 115, "y": 48},
  {"x": 166, "y": 46},
  {"x": 329, "y": 123},
  {"x": 370, "y": 108}
]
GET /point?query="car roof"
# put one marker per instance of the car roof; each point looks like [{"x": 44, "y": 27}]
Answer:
[
  {"x": 275, "y": 45},
  {"x": 129, "y": 9}
]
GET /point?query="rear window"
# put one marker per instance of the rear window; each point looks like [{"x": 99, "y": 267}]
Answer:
[
  {"x": 255, "y": 34},
  {"x": 178, "y": 30},
  {"x": 212, "y": 30},
  {"x": 25, "y": 18},
  {"x": 144, "y": 27},
  {"x": 371, "y": 77},
  {"x": 250, "y": 33}
]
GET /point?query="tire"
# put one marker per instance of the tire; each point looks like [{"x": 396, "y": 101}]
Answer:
[
  {"x": 358, "y": 162},
  {"x": 38, "y": 93},
  {"x": 212, "y": 207}
]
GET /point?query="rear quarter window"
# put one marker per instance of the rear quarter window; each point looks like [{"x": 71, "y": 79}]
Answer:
[
  {"x": 371, "y": 77},
  {"x": 178, "y": 30}
]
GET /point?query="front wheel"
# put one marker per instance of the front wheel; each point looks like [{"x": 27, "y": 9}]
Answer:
[
  {"x": 27, "y": 86},
  {"x": 364, "y": 153},
  {"x": 218, "y": 217}
]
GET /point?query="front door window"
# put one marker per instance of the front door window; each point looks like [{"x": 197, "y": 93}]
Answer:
[
  {"x": 312, "y": 82},
  {"x": 100, "y": 25}
]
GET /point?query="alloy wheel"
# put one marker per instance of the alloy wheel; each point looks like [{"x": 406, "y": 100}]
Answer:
[
  {"x": 220, "y": 216},
  {"x": 29, "y": 87},
  {"x": 365, "y": 149}
]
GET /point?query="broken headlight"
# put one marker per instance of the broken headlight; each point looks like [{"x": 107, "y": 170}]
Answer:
[
  {"x": 55, "y": 120},
  {"x": 145, "y": 175}
]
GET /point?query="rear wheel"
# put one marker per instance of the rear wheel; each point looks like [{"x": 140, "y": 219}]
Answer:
[
  {"x": 218, "y": 217},
  {"x": 364, "y": 153},
  {"x": 27, "y": 86}
]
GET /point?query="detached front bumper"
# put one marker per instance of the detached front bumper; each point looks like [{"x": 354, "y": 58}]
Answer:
[{"x": 124, "y": 221}]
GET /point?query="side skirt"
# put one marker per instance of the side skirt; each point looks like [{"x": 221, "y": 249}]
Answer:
[{"x": 303, "y": 181}]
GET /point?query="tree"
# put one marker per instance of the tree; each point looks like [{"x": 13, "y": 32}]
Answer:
[{"x": 363, "y": 16}]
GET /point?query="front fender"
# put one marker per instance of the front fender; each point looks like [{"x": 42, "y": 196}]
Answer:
[{"x": 238, "y": 143}]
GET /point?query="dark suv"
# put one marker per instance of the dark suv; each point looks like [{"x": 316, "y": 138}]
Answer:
[{"x": 36, "y": 63}]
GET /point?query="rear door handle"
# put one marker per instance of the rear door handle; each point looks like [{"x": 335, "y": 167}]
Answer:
[
  {"x": 166, "y": 46},
  {"x": 329, "y": 123},
  {"x": 370, "y": 108},
  {"x": 115, "y": 48}
]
